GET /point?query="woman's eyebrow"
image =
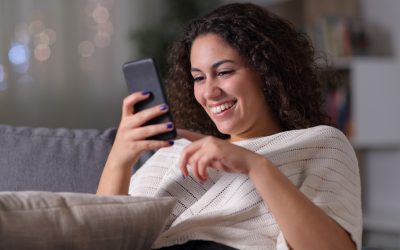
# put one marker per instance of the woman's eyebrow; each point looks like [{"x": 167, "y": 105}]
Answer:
[{"x": 215, "y": 65}]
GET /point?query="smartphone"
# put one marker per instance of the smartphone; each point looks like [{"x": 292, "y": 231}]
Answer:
[{"x": 142, "y": 75}]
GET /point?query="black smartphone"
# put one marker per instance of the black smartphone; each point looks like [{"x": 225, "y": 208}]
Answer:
[{"x": 142, "y": 75}]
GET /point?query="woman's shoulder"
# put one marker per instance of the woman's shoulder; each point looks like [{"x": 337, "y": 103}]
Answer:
[
  {"x": 323, "y": 135},
  {"x": 331, "y": 139},
  {"x": 325, "y": 130},
  {"x": 328, "y": 134}
]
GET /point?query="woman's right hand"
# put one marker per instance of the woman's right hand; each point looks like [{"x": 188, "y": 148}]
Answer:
[{"x": 130, "y": 140}]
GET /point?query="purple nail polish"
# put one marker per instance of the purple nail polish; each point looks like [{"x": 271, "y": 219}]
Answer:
[
  {"x": 145, "y": 92},
  {"x": 163, "y": 106},
  {"x": 171, "y": 143},
  {"x": 170, "y": 125}
]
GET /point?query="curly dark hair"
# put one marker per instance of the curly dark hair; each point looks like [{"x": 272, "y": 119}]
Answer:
[{"x": 283, "y": 57}]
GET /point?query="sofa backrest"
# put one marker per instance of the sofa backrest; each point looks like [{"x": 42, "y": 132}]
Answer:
[{"x": 59, "y": 160}]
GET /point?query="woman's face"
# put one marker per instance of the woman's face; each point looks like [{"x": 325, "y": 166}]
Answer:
[{"x": 229, "y": 90}]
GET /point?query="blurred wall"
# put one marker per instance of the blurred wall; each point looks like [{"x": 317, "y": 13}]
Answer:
[
  {"x": 384, "y": 17},
  {"x": 80, "y": 84}
]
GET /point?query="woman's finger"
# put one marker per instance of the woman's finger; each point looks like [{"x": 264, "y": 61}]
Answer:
[
  {"x": 194, "y": 162},
  {"x": 203, "y": 164},
  {"x": 144, "y": 132},
  {"x": 145, "y": 145},
  {"x": 184, "y": 161},
  {"x": 201, "y": 160},
  {"x": 146, "y": 115},
  {"x": 130, "y": 101},
  {"x": 186, "y": 156}
]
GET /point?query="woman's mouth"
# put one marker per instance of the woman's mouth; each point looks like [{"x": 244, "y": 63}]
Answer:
[{"x": 222, "y": 107}]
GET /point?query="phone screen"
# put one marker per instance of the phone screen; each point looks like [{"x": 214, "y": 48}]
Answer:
[{"x": 142, "y": 75}]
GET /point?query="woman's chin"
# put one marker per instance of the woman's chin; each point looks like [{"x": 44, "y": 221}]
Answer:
[{"x": 225, "y": 130}]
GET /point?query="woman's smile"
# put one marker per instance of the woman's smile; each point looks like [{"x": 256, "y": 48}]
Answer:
[{"x": 222, "y": 108}]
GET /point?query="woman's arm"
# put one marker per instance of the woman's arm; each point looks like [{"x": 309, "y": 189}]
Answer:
[
  {"x": 304, "y": 225},
  {"x": 129, "y": 144}
]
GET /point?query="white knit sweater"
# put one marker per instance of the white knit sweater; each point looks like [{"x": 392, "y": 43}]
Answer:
[{"x": 227, "y": 209}]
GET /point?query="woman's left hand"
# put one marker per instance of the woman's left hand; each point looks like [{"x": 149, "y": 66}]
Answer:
[{"x": 218, "y": 154}]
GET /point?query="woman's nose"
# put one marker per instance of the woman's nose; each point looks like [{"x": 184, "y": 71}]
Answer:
[{"x": 212, "y": 90}]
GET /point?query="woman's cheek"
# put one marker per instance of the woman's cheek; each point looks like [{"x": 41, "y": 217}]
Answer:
[{"x": 198, "y": 94}]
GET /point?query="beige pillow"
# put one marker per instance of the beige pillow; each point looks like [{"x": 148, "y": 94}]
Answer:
[{"x": 45, "y": 220}]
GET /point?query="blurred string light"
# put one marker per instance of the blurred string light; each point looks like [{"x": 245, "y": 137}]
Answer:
[
  {"x": 98, "y": 14},
  {"x": 43, "y": 39},
  {"x": 31, "y": 40},
  {"x": 34, "y": 35},
  {"x": 18, "y": 54},
  {"x": 19, "y": 57}
]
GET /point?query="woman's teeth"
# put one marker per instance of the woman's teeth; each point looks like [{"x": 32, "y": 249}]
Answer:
[{"x": 218, "y": 109}]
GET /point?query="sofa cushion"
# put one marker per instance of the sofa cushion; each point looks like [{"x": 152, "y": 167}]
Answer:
[
  {"x": 45, "y": 220},
  {"x": 59, "y": 160}
]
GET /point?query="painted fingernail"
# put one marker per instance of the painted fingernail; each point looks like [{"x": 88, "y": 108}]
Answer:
[
  {"x": 171, "y": 143},
  {"x": 163, "y": 106},
  {"x": 170, "y": 125},
  {"x": 146, "y": 93}
]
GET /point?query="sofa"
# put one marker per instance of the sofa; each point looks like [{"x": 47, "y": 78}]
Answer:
[{"x": 48, "y": 178}]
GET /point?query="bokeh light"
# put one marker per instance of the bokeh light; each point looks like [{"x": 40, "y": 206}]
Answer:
[
  {"x": 86, "y": 48},
  {"x": 42, "y": 52},
  {"x": 100, "y": 14},
  {"x": 42, "y": 38},
  {"x": 98, "y": 20},
  {"x": 18, "y": 54}
]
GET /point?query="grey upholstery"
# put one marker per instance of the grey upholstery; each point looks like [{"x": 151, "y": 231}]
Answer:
[{"x": 59, "y": 160}]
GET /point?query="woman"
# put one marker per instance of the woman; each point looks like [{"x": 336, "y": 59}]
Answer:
[{"x": 270, "y": 177}]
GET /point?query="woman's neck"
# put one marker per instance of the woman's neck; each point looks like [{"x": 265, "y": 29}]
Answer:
[{"x": 266, "y": 130}]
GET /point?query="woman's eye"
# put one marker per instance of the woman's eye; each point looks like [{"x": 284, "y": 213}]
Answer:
[
  {"x": 198, "y": 78},
  {"x": 225, "y": 72}
]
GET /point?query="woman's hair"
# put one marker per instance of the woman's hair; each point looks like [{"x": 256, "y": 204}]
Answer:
[{"x": 283, "y": 57}]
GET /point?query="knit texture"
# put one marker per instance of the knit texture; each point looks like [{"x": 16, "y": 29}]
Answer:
[{"x": 227, "y": 209}]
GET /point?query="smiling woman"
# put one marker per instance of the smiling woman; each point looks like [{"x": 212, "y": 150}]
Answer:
[{"x": 273, "y": 175}]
